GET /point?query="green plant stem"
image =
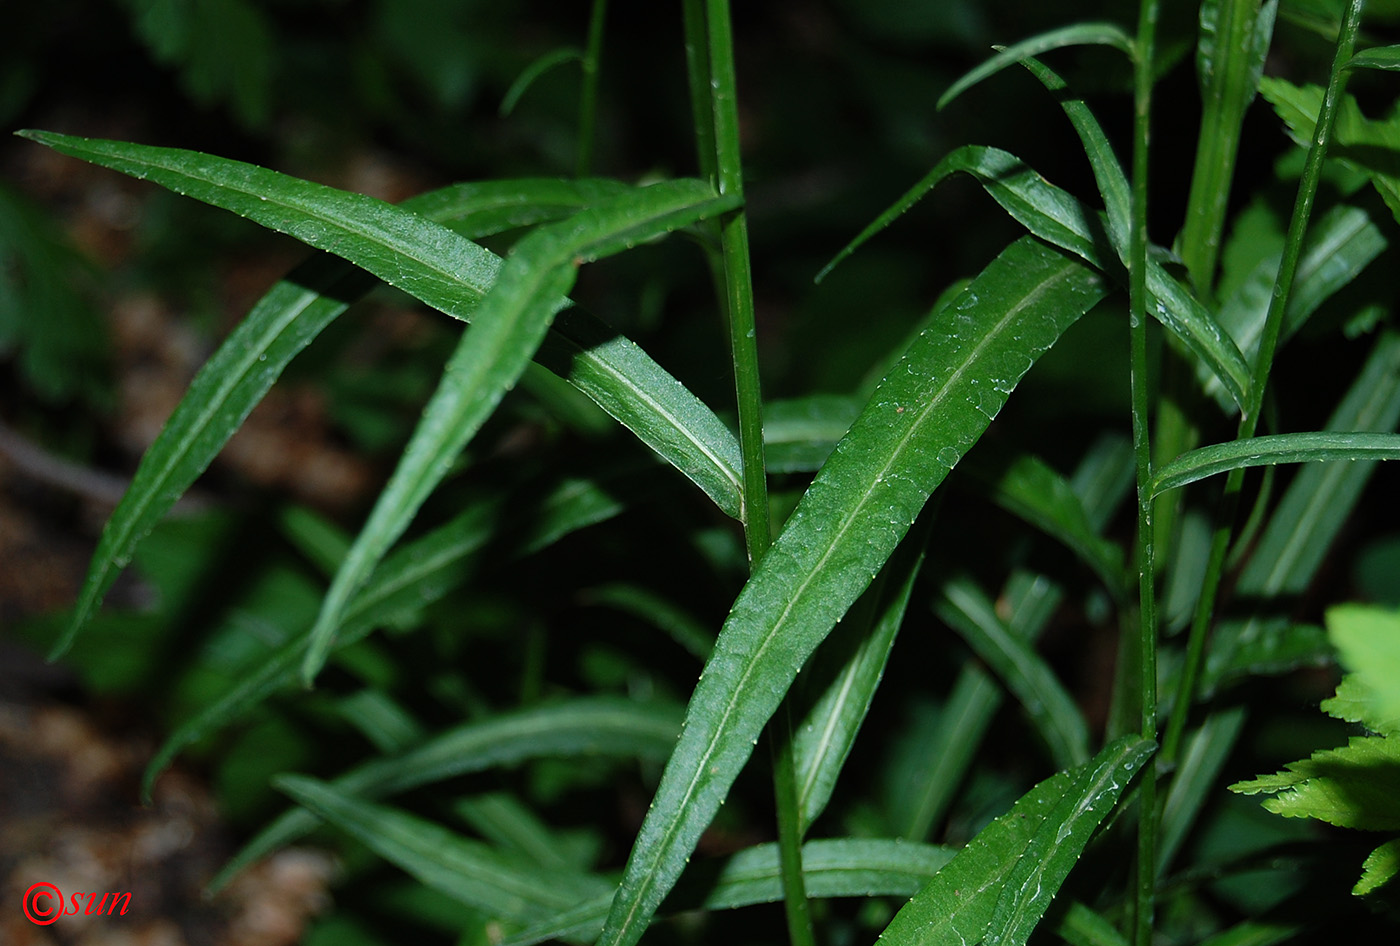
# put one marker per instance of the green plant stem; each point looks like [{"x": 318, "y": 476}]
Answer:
[
  {"x": 588, "y": 102},
  {"x": 1249, "y": 420},
  {"x": 1142, "y": 447},
  {"x": 734, "y": 244}
]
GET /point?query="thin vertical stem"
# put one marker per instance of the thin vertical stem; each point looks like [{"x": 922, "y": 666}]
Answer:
[
  {"x": 588, "y": 102},
  {"x": 1254, "y": 401},
  {"x": 1142, "y": 448},
  {"x": 734, "y": 241},
  {"x": 734, "y": 246}
]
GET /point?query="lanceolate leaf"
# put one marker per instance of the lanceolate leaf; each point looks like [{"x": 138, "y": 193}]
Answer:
[
  {"x": 509, "y": 326},
  {"x": 838, "y": 867},
  {"x": 1054, "y": 215},
  {"x": 825, "y": 736},
  {"x": 1272, "y": 449},
  {"x": 1080, "y": 34},
  {"x": 1108, "y": 172},
  {"x": 574, "y": 728},
  {"x": 1024, "y": 672},
  {"x": 917, "y": 425},
  {"x": 399, "y": 246},
  {"x": 998, "y": 886}
]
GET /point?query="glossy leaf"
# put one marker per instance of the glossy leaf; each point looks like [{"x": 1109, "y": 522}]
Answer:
[
  {"x": 1054, "y": 215},
  {"x": 1273, "y": 449},
  {"x": 997, "y": 887},
  {"x": 467, "y": 871},
  {"x": 1080, "y": 34},
  {"x": 1021, "y": 669},
  {"x": 581, "y": 727},
  {"x": 916, "y": 427},
  {"x": 509, "y": 325}
]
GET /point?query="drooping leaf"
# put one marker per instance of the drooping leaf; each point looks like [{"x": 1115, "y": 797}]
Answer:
[
  {"x": 398, "y": 245},
  {"x": 1054, "y": 215},
  {"x": 1080, "y": 34},
  {"x": 1108, "y": 171},
  {"x": 580, "y": 727},
  {"x": 1371, "y": 145},
  {"x": 1027, "y": 486},
  {"x": 1024, "y": 672},
  {"x": 1273, "y": 449},
  {"x": 915, "y": 428},
  {"x": 467, "y": 871},
  {"x": 533, "y": 71},
  {"x": 999, "y": 885},
  {"x": 509, "y": 326}
]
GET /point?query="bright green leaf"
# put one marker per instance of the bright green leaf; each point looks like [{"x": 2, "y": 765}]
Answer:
[
  {"x": 997, "y": 887},
  {"x": 928, "y": 412},
  {"x": 1273, "y": 449}
]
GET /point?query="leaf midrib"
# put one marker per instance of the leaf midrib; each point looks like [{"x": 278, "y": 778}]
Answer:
[{"x": 1066, "y": 270}]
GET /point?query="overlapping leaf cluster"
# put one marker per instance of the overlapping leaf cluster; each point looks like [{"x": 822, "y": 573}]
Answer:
[{"x": 832, "y": 589}]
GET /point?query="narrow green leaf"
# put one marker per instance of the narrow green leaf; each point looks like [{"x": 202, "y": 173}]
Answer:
[
  {"x": 1340, "y": 245},
  {"x": 509, "y": 326},
  {"x": 838, "y": 867},
  {"x": 1206, "y": 752},
  {"x": 1378, "y": 57},
  {"x": 502, "y": 819},
  {"x": 931, "y": 408},
  {"x": 683, "y": 627},
  {"x": 1047, "y": 703},
  {"x": 1254, "y": 933},
  {"x": 799, "y": 434},
  {"x": 1036, "y": 876},
  {"x": 1108, "y": 171},
  {"x": 467, "y": 871},
  {"x": 1029, "y": 488},
  {"x": 1081, "y": 926},
  {"x": 1273, "y": 449},
  {"x": 417, "y": 574},
  {"x": 1054, "y": 215},
  {"x": 996, "y": 888},
  {"x": 533, "y": 71},
  {"x": 1313, "y": 511},
  {"x": 400, "y": 247},
  {"x": 1080, "y": 34},
  {"x": 1234, "y": 40},
  {"x": 826, "y": 734},
  {"x": 580, "y": 727}
]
